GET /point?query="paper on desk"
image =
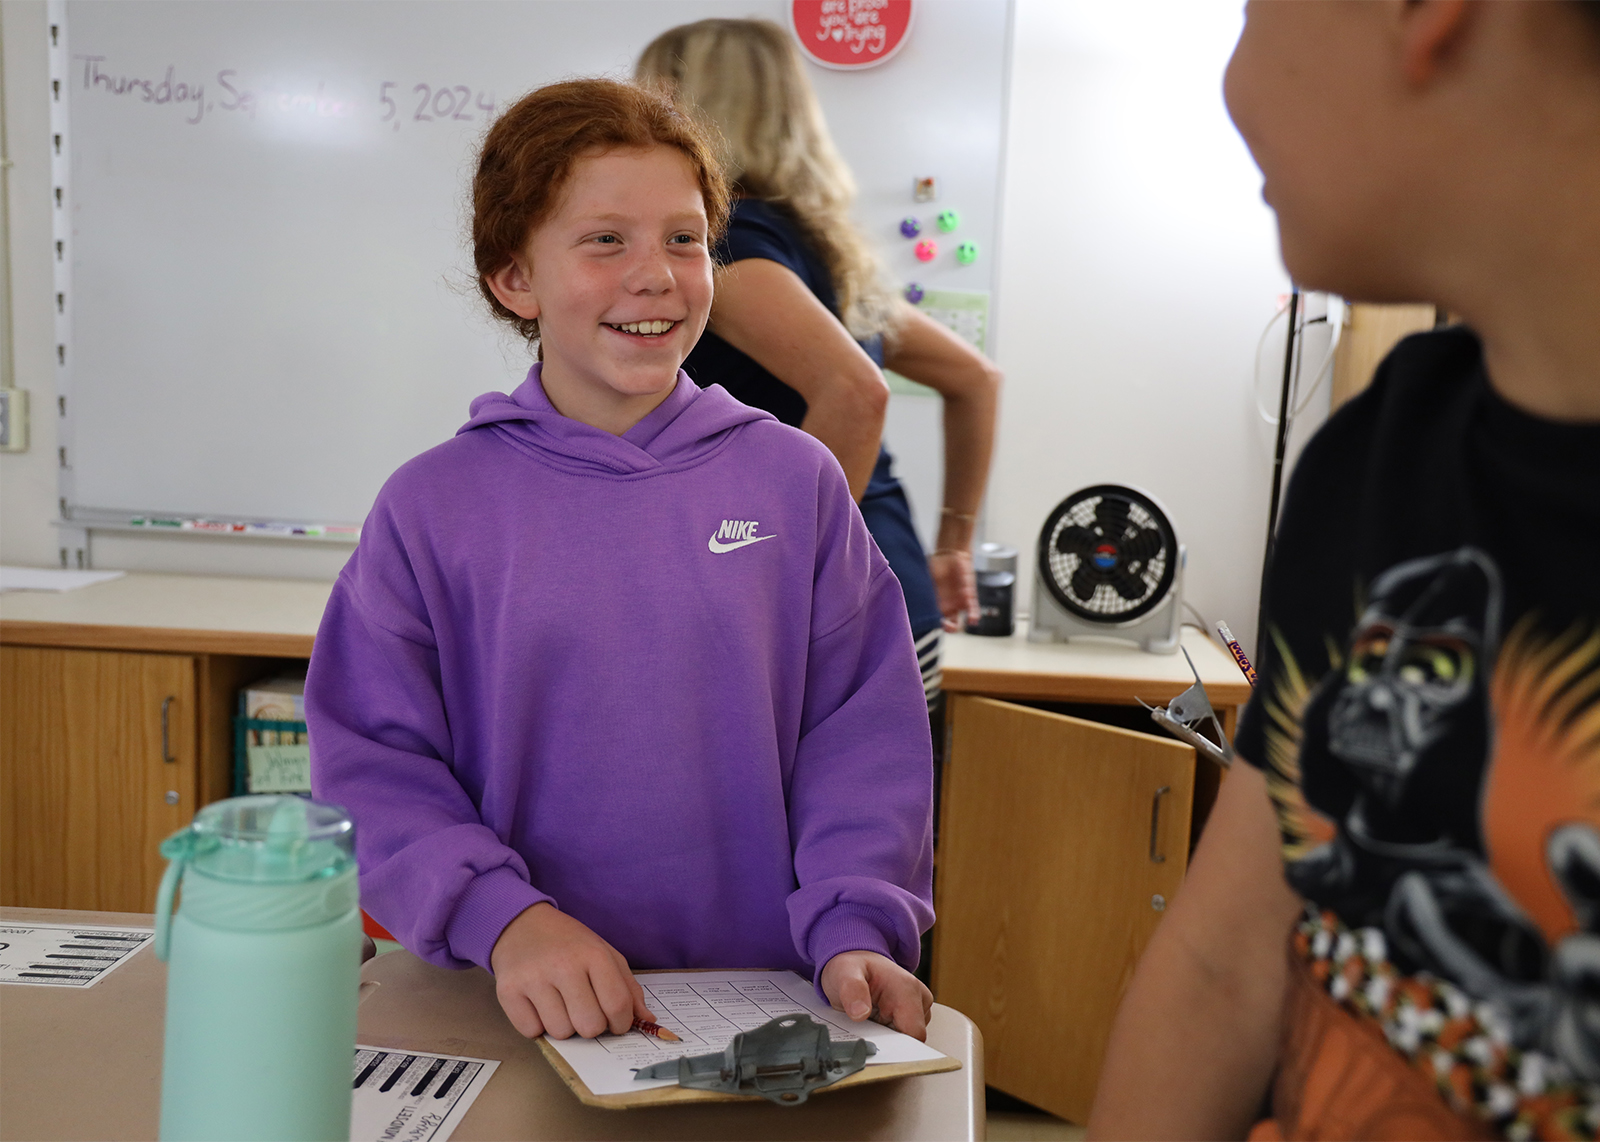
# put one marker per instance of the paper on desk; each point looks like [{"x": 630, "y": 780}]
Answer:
[
  {"x": 51, "y": 579},
  {"x": 408, "y": 1096},
  {"x": 708, "y": 1009},
  {"x": 65, "y": 955}
]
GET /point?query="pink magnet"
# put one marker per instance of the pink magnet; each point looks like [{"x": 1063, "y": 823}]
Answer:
[{"x": 927, "y": 250}]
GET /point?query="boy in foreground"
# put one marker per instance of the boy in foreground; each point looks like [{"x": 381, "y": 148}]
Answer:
[{"x": 1391, "y": 927}]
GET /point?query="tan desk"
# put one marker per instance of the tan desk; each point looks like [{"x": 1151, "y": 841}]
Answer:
[
  {"x": 87, "y": 1064},
  {"x": 1088, "y": 670}
]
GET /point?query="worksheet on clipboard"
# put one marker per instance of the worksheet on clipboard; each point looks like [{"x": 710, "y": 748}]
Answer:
[{"x": 706, "y": 1010}]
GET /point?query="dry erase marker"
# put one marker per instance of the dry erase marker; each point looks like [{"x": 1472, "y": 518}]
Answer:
[
  {"x": 1238, "y": 653},
  {"x": 655, "y": 1030}
]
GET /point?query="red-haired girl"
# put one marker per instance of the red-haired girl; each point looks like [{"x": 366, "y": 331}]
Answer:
[{"x": 617, "y": 676}]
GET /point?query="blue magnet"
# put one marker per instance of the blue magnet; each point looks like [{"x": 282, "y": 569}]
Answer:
[
  {"x": 967, "y": 253},
  {"x": 914, "y": 294},
  {"x": 910, "y": 227},
  {"x": 948, "y": 220}
]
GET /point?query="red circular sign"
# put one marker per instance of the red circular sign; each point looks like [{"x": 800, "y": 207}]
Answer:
[{"x": 851, "y": 33}]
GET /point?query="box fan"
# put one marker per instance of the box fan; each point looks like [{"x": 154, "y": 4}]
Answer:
[{"x": 1109, "y": 565}]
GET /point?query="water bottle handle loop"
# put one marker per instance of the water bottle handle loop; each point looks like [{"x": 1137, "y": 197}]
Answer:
[{"x": 177, "y": 848}]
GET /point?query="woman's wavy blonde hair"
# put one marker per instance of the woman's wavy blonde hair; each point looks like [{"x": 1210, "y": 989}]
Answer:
[{"x": 746, "y": 79}]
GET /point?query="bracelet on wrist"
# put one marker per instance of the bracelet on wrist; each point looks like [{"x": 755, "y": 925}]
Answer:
[{"x": 967, "y": 517}]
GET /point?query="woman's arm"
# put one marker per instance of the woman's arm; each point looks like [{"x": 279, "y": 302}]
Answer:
[
  {"x": 930, "y": 354},
  {"x": 766, "y": 312},
  {"x": 1196, "y": 1038}
]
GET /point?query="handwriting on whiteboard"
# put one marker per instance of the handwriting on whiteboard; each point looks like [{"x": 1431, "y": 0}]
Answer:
[{"x": 425, "y": 103}]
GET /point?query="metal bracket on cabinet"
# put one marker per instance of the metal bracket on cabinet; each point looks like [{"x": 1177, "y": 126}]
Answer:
[{"x": 1185, "y": 714}]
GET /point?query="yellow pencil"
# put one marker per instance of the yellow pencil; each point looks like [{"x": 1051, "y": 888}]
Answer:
[{"x": 655, "y": 1030}]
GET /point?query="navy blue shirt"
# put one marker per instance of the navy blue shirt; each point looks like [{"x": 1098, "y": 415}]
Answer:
[{"x": 764, "y": 230}]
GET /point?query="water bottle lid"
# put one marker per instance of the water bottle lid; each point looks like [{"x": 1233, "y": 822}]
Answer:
[
  {"x": 994, "y": 557},
  {"x": 267, "y": 839}
]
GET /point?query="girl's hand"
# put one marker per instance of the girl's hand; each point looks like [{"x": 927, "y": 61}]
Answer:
[
  {"x": 863, "y": 984},
  {"x": 955, "y": 585},
  {"x": 553, "y": 975}
]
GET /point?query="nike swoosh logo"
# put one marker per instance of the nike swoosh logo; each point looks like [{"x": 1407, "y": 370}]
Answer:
[{"x": 718, "y": 547}]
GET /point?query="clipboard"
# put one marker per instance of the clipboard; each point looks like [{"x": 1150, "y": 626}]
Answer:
[{"x": 677, "y": 1096}]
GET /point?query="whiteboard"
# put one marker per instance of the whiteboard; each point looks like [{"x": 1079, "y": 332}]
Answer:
[{"x": 266, "y": 295}]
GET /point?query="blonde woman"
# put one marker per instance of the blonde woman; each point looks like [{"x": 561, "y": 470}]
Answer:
[{"x": 803, "y": 324}]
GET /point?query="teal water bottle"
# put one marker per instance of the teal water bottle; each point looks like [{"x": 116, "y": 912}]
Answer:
[{"x": 264, "y": 966}]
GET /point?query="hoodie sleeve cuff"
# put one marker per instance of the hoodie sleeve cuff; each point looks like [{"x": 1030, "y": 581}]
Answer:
[
  {"x": 490, "y": 902},
  {"x": 848, "y": 928}
]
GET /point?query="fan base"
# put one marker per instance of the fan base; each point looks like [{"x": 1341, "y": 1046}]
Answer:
[{"x": 1156, "y": 632}]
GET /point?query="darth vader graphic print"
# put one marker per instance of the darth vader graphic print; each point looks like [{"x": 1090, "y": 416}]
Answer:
[{"x": 1438, "y": 792}]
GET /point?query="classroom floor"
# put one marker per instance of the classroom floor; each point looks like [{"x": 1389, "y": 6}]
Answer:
[
  {"x": 1010, "y": 1126},
  {"x": 1012, "y": 1120}
]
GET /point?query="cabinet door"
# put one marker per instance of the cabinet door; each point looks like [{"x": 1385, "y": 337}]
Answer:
[
  {"x": 98, "y": 767},
  {"x": 1061, "y": 840}
]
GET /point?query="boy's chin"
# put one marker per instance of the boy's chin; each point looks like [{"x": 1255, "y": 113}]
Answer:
[{"x": 1349, "y": 267}]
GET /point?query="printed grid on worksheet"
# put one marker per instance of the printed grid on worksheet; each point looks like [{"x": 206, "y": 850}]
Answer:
[
  {"x": 707, "y": 1016},
  {"x": 58, "y": 956}
]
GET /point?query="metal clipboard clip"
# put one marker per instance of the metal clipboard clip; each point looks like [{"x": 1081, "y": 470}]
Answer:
[
  {"x": 783, "y": 1061},
  {"x": 1188, "y": 711}
]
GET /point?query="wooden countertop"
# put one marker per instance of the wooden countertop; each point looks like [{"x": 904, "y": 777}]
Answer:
[
  {"x": 1088, "y": 670},
  {"x": 193, "y": 614},
  {"x": 204, "y": 614}
]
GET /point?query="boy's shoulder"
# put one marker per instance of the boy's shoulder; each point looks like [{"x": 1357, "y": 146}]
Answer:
[{"x": 1422, "y": 389}]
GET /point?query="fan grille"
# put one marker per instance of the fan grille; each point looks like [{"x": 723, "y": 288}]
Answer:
[{"x": 1106, "y": 554}]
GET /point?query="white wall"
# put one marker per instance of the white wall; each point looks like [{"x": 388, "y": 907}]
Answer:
[{"x": 1138, "y": 267}]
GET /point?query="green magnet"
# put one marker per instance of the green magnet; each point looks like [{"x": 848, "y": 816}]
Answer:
[
  {"x": 948, "y": 220},
  {"x": 967, "y": 253}
]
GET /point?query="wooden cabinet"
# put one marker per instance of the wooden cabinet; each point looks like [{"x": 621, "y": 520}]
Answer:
[
  {"x": 1061, "y": 842},
  {"x": 103, "y": 754},
  {"x": 98, "y": 767}
]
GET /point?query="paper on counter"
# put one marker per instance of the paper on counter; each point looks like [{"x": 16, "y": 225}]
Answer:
[
  {"x": 412, "y": 1096},
  {"x": 66, "y": 955},
  {"x": 708, "y": 1009},
  {"x": 51, "y": 579}
]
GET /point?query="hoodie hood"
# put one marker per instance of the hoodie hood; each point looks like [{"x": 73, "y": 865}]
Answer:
[{"x": 682, "y": 430}]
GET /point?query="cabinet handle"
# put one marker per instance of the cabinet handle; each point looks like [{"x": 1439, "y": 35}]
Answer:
[
  {"x": 167, "y": 750},
  {"x": 1156, "y": 856}
]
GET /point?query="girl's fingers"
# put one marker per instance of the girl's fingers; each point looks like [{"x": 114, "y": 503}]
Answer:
[
  {"x": 904, "y": 1012},
  {"x": 615, "y": 998},
  {"x": 855, "y": 997},
  {"x": 523, "y": 1015},
  {"x": 641, "y": 1009},
  {"x": 552, "y": 1008},
  {"x": 583, "y": 1006}
]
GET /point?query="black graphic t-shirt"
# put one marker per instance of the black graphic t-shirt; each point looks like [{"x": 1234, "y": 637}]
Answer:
[{"x": 1428, "y": 721}]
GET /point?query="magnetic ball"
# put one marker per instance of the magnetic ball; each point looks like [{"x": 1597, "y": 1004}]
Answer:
[
  {"x": 967, "y": 253},
  {"x": 914, "y": 294},
  {"x": 948, "y": 220},
  {"x": 927, "y": 250},
  {"x": 910, "y": 227}
]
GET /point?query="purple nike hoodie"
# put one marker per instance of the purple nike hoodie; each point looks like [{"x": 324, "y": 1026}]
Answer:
[{"x": 664, "y": 681}]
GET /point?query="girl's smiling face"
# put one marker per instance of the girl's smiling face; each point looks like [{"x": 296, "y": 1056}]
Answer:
[{"x": 619, "y": 278}]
